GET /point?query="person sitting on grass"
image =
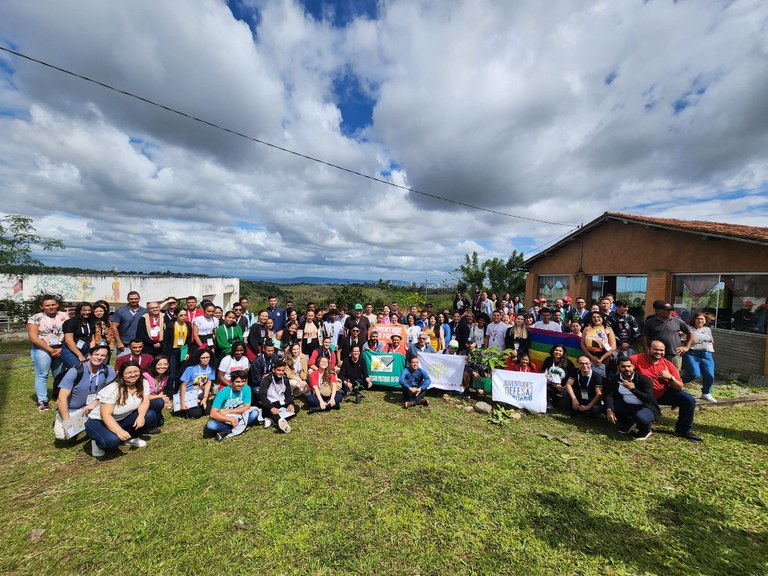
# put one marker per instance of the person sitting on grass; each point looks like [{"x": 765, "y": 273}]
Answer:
[
  {"x": 236, "y": 360},
  {"x": 122, "y": 413},
  {"x": 414, "y": 383},
  {"x": 560, "y": 374},
  {"x": 231, "y": 411},
  {"x": 77, "y": 395},
  {"x": 629, "y": 401},
  {"x": 524, "y": 364},
  {"x": 324, "y": 391},
  {"x": 354, "y": 375},
  {"x": 296, "y": 370},
  {"x": 277, "y": 398},
  {"x": 198, "y": 377},
  {"x": 157, "y": 378}
]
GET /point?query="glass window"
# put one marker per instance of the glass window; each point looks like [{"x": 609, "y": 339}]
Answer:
[
  {"x": 631, "y": 289},
  {"x": 731, "y": 301},
  {"x": 554, "y": 286}
]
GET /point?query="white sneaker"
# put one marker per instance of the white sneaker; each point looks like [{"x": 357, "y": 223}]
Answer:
[
  {"x": 267, "y": 423},
  {"x": 709, "y": 398},
  {"x": 135, "y": 442},
  {"x": 96, "y": 452},
  {"x": 283, "y": 425}
]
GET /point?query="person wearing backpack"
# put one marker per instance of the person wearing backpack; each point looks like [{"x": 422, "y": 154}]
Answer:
[{"x": 76, "y": 392}]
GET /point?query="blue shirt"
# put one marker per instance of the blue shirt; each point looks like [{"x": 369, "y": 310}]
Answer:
[
  {"x": 129, "y": 322},
  {"x": 278, "y": 317},
  {"x": 415, "y": 379},
  {"x": 89, "y": 384}
]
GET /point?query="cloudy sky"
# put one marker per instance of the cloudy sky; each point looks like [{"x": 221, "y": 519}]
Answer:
[{"x": 556, "y": 111}]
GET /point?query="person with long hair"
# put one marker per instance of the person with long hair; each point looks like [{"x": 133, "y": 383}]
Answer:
[
  {"x": 177, "y": 338},
  {"x": 560, "y": 373},
  {"x": 78, "y": 333},
  {"x": 199, "y": 375},
  {"x": 444, "y": 327},
  {"x": 598, "y": 343},
  {"x": 297, "y": 370},
  {"x": 123, "y": 413},
  {"x": 310, "y": 333},
  {"x": 102, "y": 328},
  {"x": 698, "y": 360},
  {"x": 524, "y": 363},
  {"x": 412, "y": 330},
  {"x": 235, "y": 360},
  {"x": 324, "y": 391},
  {"x": 204, "y": 328},
  {"x": 157, "y": 378},
  {"x": 518, "y": 338}
]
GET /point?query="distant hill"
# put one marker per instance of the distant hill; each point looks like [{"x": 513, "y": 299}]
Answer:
[{"x": 319, "y": 280}]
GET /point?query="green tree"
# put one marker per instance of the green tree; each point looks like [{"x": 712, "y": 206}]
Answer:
[
  {"x": 505, "y": 275},
  {"x": 472, "y": 274},
  {"x": 17, "y": 240}
]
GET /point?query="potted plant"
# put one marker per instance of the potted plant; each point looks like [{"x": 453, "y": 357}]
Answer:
[{"x": 484, "y": 361}]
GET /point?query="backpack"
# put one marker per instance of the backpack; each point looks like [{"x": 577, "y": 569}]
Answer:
[{"x": 79, "y": 373}]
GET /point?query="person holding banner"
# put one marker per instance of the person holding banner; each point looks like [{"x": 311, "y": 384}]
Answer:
[
  {"x": 630, "y": 402},
  {"x": 414, "y": 383},
  {"x": 598, "y": 343},
  {"x": 422, "y": 345}
]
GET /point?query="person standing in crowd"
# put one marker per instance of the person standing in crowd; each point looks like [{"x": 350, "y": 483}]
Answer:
[
  {"x": 177, "y": 338},
  {"x": 698, "y": 360},
  {"x": 125, "y": 322},
  {"x": 102, "y": 329},
  {"x": 333, "y": 328},
  {"x": 598, "y": 343},
  {"x": 227, "y": 334},
  {"x": 78, "y": 389},
  {"x": 460, "y": 303},
  {"x": 310, "y": 333},
  {"x": 78, "y": 333},
  {"x": 192, "y": 309},
  {"x": 496, "y": 331},
  {"x": 204, "y": 328},
  {"x": 169, "y": 312},
  {"x": 517, "y": 337},
  {"x": 625, "y": 328},
  {"x": 122, "y": 413},
  {"x": 546, "y": 321},
  {"x": 630, "y": 401},
  {"x": 666, "y": 328},
  {"x": 668, "y": 387},
  {"x": 276, "y": 313},
  {"x": 414, "y": 383},
  {"x": 151, "y": 328},
  {"x": 396, "y": 345},
  {"x": 357, "y": 320}
]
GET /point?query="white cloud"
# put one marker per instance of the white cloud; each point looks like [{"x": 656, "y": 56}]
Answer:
[{"x": 554, "y": 111}]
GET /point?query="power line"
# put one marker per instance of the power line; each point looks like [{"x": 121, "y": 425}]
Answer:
[{"x": 269, "y": 144}]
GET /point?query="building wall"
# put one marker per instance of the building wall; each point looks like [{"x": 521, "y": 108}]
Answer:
[
  {"x": 114, "y": 288},
  {"x": 739, "y": 352}
]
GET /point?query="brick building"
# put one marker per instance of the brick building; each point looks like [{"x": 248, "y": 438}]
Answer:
[{"x": 719, "y": 268}]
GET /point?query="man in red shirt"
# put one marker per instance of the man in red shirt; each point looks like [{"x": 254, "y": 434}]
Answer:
[
  {"x": 136, "y": 347},
  {"x": 668, "y": 387}
]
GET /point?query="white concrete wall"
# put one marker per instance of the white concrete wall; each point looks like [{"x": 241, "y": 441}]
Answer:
[{"x": 114, "y": 288}]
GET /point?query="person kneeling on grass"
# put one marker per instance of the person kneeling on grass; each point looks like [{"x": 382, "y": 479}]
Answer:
[
  {"x": 324, "y": 388},
  {"x": 78, "y": 390},
  {"x": 414, "y": 382},
  {"x": 123, "y": 412},
  {"x": 231, "y": 412},
  {"x": 276, "y": 398},
  {"x": 629, "y": 401}
]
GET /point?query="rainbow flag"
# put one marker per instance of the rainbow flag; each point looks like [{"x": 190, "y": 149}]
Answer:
[{"x": 543, "y": 340}]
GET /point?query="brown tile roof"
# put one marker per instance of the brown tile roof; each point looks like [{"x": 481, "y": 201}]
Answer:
[
  {"x": 736, "y": 231},
  {"x": 717, "y": 229}
]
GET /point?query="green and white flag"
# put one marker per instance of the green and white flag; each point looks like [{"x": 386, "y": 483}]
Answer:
[
  {"x": 445, "y": 370},
  {"x": 384, "y": 368}
]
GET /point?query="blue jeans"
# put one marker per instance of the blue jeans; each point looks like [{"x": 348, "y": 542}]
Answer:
[
  {"x": 44, "y": 363},
  {"x": 157, "y": 406},
  {"x": 69, "y": 358},
  {"x": 108, "y": 440},
  {"x": 699, "y": 363},
  {"x": 313, "y": 401},
  {"x": 686, "y": 407},
  {"x": 638, "y": 413},
  {"x": 215, "y": 426}
]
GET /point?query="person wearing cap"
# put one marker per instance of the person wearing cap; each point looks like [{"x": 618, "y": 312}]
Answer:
[
  {"x": 357, "y": 320},
  {"x": 666, "y": 328},
  {"x": 668, "y": 387},
  {"x": 568, "y": 309},
  {"x": 452, "y": 349},
  {"x": 396, "y": 345},
  {"x": 422, "y": 345},
  {"x": 414, "y": 383}
]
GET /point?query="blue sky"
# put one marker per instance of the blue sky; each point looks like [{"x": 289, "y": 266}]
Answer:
[{"x": 554, "y": 111}]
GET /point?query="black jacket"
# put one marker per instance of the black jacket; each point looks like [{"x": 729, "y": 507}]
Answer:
[{"x": 643, "y": 392}]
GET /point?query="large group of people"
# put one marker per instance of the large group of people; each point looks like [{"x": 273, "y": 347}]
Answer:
[{"x": 239, "y": 368}]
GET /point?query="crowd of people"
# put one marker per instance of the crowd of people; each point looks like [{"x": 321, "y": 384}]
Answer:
[{"x": 240, "y": 369}]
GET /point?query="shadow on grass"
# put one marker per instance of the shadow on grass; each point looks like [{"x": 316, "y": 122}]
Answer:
[
  {"x": 736, "y": 434},
  {"x": 694, "y": 537}
]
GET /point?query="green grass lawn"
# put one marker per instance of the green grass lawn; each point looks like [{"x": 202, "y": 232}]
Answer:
[{"x": 375, "y": 489}]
